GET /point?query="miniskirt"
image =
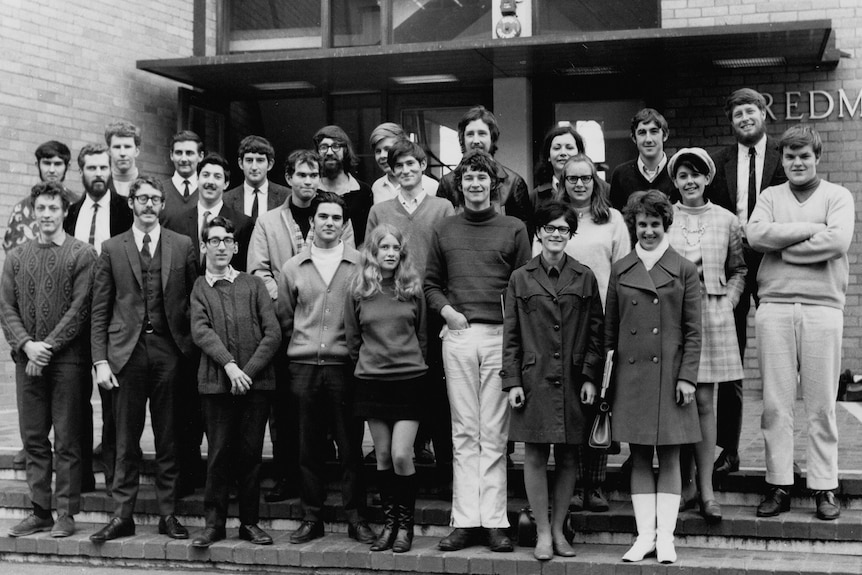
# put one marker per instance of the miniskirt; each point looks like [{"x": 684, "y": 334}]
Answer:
[{"x": 403, "y": 399}]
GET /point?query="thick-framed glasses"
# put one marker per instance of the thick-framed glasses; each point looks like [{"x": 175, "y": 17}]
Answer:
[
  {"x": 574, "y": 179},
  {"x": 564, "y": 230},
  {"x": 336, "y": 147},
  {"x": 141, "y": 199},
  {"x": 228, "y": 242}
]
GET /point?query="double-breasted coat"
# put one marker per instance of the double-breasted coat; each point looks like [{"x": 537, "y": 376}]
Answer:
[
  {"x": 653, "y": 322},
  {"x": 552, "y": 343}
]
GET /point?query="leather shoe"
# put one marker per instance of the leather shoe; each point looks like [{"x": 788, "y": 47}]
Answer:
[
  {"x": 776, "y": 501},
  {"x": 727, "y": 462},
  {"x": 594, "y": 500},
  {"x": 254, "y": 534},
  {"x": 711, "y": 511},
  {"x": 209, "y": 536},
  {"x": 498, "y": 541},
  {"x": 115, "y": 528},
  {"x": 576, "y": 503},
  {"x": 171, "y": 526},
  {"x": 360, "y": 531},
  {"x": 307, "y": 531},
  {"x": 827, "y": 507},
  {"x": 282, "y": 491},
  {"x": 459, "y": 538}
]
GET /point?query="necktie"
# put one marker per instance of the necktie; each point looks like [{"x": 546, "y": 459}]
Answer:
[
  {"x": 254, "y": 203},
  {"x": 146, "y": 254},
  {"x": 186, "y": 191},
  {"x": 93, "y": 225},
  {"x": 147, "y": 257},
  {"x": 752, "y": 180}
]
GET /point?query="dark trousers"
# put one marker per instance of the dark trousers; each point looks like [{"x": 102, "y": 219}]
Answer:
[
  {"x": 728, "y": 414},
  {"x": 189, "y": 424},
  {"x": 86, "y": 433},
  {"x": 437, "y": 423},
  {"x": 109, "y": 435},
  {"x": 149, "y": 374},
  {"x": 235, "y": 426},
  {"x": 284, "y": 425},
  {"x": 324, "y": 395},
  {"x": 52, "y": 399}
]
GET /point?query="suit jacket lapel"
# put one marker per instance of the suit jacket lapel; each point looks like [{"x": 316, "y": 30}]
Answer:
[
  {"x": 134, "y": 257},
  {"x": 730, "y": 173},
  {"x": 770, "y": 164},
  {"x": 167, "y": 252}
]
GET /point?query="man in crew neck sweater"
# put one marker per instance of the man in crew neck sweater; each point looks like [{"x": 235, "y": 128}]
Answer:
[
  {"x": 804, "y": 228},
  {"x": 124, "y": 144},
  {"x": 470, "y": 259}
]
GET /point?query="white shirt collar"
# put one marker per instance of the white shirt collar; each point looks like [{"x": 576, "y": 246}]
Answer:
[
  {"x": 214, "y": 211},
  {"x": 759, "y": 148},
  {"x": 178, "y": 182},
  {"x": 649, "y": 174},
  {"x": 104, "y": 202},
  {"x": 230, "y": 275},
  {"x": 249, "y": 190},
  {"x": 155, "y": 235}
]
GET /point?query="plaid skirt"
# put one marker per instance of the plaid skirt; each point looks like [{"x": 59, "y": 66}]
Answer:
[{"x": 719, "y": 354}]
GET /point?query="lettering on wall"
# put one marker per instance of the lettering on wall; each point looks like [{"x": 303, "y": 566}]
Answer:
[{"x": 815, "y": 105}]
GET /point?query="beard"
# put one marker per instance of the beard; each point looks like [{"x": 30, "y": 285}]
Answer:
[
  {"x": 89, "y": 188},
  {"x": 330, "y": 168},
  {"x": 750, "y": 140}
]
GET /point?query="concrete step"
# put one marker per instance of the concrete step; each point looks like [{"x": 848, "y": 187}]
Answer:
[{"x": 336, "y": 553}]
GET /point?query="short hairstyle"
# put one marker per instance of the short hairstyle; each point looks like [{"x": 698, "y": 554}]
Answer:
[
  {"x": 145, "y": 181},
  {"x": 53, "y": 148},
  {"x": 650, "y": 203},
  {"x": 297, "y": 157},
  {"x": 329, "y": 198},
  {"x": 550, "y": 211},
  {"x": 383, "y": 131},
  {"x": 404, "y": 147},
  {"x": 187, "y": 136},
  {"x": 122, "y": 129},
  {"x": 477, "y": 161},
  {"x": 218, "y": 160},
  {"x": 217, "y": 222},
  {"x": 648, "y": 115},
  {"x": 91, "y": 150},
  {"x": 339, "y": 135},
  {"x": 600, "y": 205},
  {"x": 544, "y": 172},
  {"x": 799, "y": 136},
  {"x": 255, "y": 145},
  {"x": 52, "y": 189},
  {"x": 743, "y": 96},
  {"x": 487, "y": 116}
]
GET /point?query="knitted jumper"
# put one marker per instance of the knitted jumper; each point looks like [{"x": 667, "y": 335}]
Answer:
[
  {"x": 45, "y": 296},
  {"x": 628, "y": 179}
]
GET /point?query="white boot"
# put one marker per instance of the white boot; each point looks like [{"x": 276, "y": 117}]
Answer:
[
  {"x": 644, "y": 505},
  {"x": 667, "y": 509}
]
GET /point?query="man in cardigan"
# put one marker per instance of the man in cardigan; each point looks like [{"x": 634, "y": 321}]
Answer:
[
  {"x": 311, "y": 296},
  {"x": 181, "y": 191},
  {"x": 44, "y": 312},
  {"x": 234, "y": 324},
  {"x": 470, "y": 259},
  {"x": 647, "y": 171}
]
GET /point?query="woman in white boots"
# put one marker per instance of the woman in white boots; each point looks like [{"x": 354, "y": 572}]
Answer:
[{"x": 653, "y": 322}]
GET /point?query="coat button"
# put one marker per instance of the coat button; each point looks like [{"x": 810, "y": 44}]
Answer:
[
  {"x": 631, "y": 360},
  {"x": 502, "y": 373},
  {"x": 554, "y": 300},
  {"x": 556, "y": 382},
  {"x": 557, "y": 355},
  {"x": 556, "y": 327},
  {"x": 634, "y": 302},
  {"x": 634, "y": 331},
  {"x": 654, "y": 359},
  {"x": 655, "y": 330},
  {"x": 655, "y": 301}
]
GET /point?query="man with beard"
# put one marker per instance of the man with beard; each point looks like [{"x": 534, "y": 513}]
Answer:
[
  {"x": 124, "y": 144},
  {"x": 257, "y": 195},
  {"x": 52, "y": 161},
  {"x": 478, "y": 130},
  {"x": 742, "y": 171},
  {"x": 99, "y": 214},
  {"x": 338, "y": 163},
  {"x": 187, "y": 150}
]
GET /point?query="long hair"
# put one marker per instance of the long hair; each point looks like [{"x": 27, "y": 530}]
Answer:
[
  {"x": 600, "y": 207},
  {"x": 367, "y": 283},
  {"x": 544, "y": 173}
]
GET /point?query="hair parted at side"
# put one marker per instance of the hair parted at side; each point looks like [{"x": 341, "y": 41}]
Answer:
[
  {"x": 187, "y": 136},
  {"x": 404, "y": 147},
  {"x": 488, "y": 117},
  {"x": 255, "y": 145},
  {"x": 600, "y": 206},
  {"x": 329, "y": 198},
  {"x": 648, "y": 116},
  {"x": 91, "y": 150},
  {"x": 367, "y": 282},
  {"x": 217, "y": 222},
  {"x": 552, "y": 210},
  {"x": 297, "y": 157},
  {"x": 799, "y": 136},
  {"x": 741, "y": 97},
  {"x": 216, "y": 160},
  {"x": 652, "y": 203},
  {"x": 544, "y": 172},
  {"x": 337, "y": 133},
  {"x": 383, "y": 131},
  {"x": 146, "y": 181}
]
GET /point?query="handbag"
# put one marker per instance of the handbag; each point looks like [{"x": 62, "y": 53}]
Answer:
[{"x": 600, "y": 434}]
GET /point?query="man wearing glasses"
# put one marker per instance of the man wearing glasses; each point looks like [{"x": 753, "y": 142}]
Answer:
[
  {"x": 338, "y": 160},
  {"x": 256, "y": 195},
  {"x": 140, "y": 334}
]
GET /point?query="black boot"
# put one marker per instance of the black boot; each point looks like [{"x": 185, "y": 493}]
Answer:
[
  {"x": 385, "y": 479},
  {"x": 406, "y": 505}
]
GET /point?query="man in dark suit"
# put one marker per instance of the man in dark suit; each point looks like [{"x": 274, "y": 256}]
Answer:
[
  {"x": 181, "y": 190},
  {"x": 103, "y": 214},
  {"x": 256, "y": 195},
  {"x": 742, "y": 171},
  {"x": 140, "y": 334}
]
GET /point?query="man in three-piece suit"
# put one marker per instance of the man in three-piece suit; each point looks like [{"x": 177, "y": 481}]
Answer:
[
  {"x": 181, "y": 190},
  {"x": 101, "y": 213},
  {"x": 140, "y": 334},
  {"x": 743, "y": 170},
  {"x": 256, "y": 195}
]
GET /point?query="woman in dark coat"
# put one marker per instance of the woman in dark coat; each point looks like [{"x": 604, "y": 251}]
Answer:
[
  {"x": 551, "y": 357},
  {"x": 653, "y": 323}
]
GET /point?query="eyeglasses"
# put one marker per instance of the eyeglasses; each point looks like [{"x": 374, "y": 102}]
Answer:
[
  {"x": 336, "y": 147},
  {"x": 214, "y": 242},
  {"x": 157, "y": 200},
  {"x": 574, "y": 179},
  {"x": 564, "y": 230}
]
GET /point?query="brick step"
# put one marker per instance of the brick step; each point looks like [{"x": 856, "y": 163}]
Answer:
[
  {"x": 336, "y": 553},
  {"x": 797, "y": 530}
]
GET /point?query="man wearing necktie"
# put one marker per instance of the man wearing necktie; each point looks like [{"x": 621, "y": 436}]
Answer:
[
  {"x": 257, "y": 194},
  {"x": 140, "y": 335},
  {"x": 743, "y": 170},
  {"x": 101, "y": 213},
  {"x": 181, "y": 190}
]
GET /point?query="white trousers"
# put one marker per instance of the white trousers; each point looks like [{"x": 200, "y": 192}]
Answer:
[
  {"x": 800, "y": 343},
  {"x": 473, "y": 358}
]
